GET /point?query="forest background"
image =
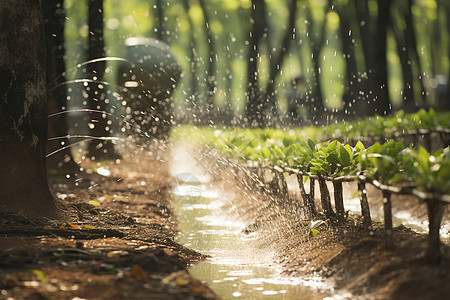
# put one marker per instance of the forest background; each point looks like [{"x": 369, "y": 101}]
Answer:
[{"x": 330, "y": 56}]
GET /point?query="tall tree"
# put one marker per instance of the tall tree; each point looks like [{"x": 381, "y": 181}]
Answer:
[
  {"x": 61, "y": 155},
  {"x": 406, "y": 66},
  {"x": 211, "y": 64},
  {"x": 23, "y": 110},
  {"x": 351, "y": 86},
  {"x": 411, "y": 43},
  {"x": 99, "y": 148},
  {"x": 317, "y": 41},
  {"x": 380, "y": 103},
  {"x": 255, "y": 101},
  {"x": 277, "y": 60},
  {"x": 160, "y": 21},
  {"x": 373, "y": 31},
  {"x": 193, "y": 60}
]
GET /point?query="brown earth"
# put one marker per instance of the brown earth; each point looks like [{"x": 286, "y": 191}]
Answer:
[
  {"x": 358, "y": 262},
  {"x": 122, "y": 246},
  {"x": 119, "y": 246}
]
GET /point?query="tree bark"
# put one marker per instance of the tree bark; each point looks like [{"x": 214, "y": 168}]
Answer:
[
  {"x": 351, "y": 86},
  {"x": 161, "y": 23},
  {"x": 23, "y": 110},
  {"x": 193, "y": 60},
  {"x": 411, "y": 44},
  {"x": 277, "y": 62},
  {"x": 317, "y": 42},
  {"x": 407, "y": 72},
  {"x": 255, "y": 101},
  {"x": 54, "y": 16},
  {"x": 211, "y": 67},
  {"x": 373, "y": 36},
  {"x": 97, "y": 148}
]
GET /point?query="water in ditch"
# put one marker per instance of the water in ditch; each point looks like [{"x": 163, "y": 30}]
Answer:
[{"x": 235, "y": 269}]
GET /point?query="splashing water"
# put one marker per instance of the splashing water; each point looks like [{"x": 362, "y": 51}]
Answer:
[{"x": 237, "y": 268}]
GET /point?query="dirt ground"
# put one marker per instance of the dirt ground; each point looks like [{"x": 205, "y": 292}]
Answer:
[
  {"x": 115, "y": 240},
  {"x": 356, "y": 261}
]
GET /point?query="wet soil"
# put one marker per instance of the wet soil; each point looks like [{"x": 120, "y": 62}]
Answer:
[
  {"x": 114, "y": 239},
  {"x": 355, "y": 261}
]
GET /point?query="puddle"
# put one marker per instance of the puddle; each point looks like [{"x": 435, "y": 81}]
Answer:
[
  {"x": 403, "y": 217},
  {"x": 237, "y": 269}
]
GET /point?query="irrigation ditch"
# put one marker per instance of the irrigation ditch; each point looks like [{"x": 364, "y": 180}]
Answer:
[{"x": 292, "y": 212}]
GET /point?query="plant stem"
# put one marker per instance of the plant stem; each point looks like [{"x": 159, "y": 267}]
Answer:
[
  {"x": 388, "y": 230},
  {"x": 435, "y": 212},
  {"x": 325, "y": 198},
  {"x": 338, "y": 199},
  {"x": 365, "y": 210}
]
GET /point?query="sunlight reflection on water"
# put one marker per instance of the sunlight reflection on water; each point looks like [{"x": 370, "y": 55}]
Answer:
[
  {"x": 236, "y": 268},
  {"x": 401, "y": 218}
]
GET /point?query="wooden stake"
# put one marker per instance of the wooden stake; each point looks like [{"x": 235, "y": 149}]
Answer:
[
  {"x": 339, "y": 199},
  {"x": 388, "y": 229},
  {"x": 435, "y": 212},
  {"x": 365, "y": 210}
]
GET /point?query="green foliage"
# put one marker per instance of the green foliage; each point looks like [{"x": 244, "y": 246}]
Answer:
[
  {"x": 390, "y": 163},
  {"x": 39, "y": 274}
]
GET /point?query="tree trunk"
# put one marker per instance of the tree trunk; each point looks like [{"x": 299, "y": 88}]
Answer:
[
  {"x": 317, "y": 41},
  {"x": 211, "y": 66},
  {"x": 97, "y": 148},
  {"x": 23, "y": 110},
  {"x": 407, "y": 72},
  {"x": 60, "y": 156},
  {"x": 277, "y": 62},
  {"x": 352, "y": 87},
  {"x": 367, "y": 31},
  {"x": 380, "y": 100},
  {"x": 255, "y": 101},
  {"x": 411, "y": 44},
  {"x": 161, "y": 23},
  {"x": 193, "y": 60}
]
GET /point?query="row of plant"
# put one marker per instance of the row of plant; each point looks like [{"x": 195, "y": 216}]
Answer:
[
  {"x": 392, "y": 126},
  {"x": 391, "y": 167},
  {"x": 419, "y": 125}
]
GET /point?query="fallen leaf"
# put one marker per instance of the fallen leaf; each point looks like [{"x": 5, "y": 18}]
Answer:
[
  {"x": 181, "y": 282},
  {"x": 39, "y": 274},
  {"x": 67, "y": 225},
  {"x": 116, "y": 253},
  {"x": 313, "y": 232},
  {"x": 139, "y": 273},
  {"x": 74, "y": 226},
  {"x": 94, "y": 203}
]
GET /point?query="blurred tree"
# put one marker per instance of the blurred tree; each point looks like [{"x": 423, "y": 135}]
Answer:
[
  {"x": 407, "y": 51},
  {"x": 59, "y": 149},
  {"x": 361, "y": 75},
  {"x": 351, "y": 86},
  {"x": 161, "y": 30},
  {"x": 380, "y": 103},
  {"x": 317, "y": 42},
  {"x": 373, "y": 30},
  {"x": 278, "y": 57},
  {"x": 99, "y": 147},
  {"x": 23, "y": 110},
  {"x": 211, "y": 63},
  {"x": 192, "y": 59},
  {"x": 256, "y": 102}
]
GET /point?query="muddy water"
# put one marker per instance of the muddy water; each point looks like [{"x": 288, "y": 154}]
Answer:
[{"x": 236, "y": 268}]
